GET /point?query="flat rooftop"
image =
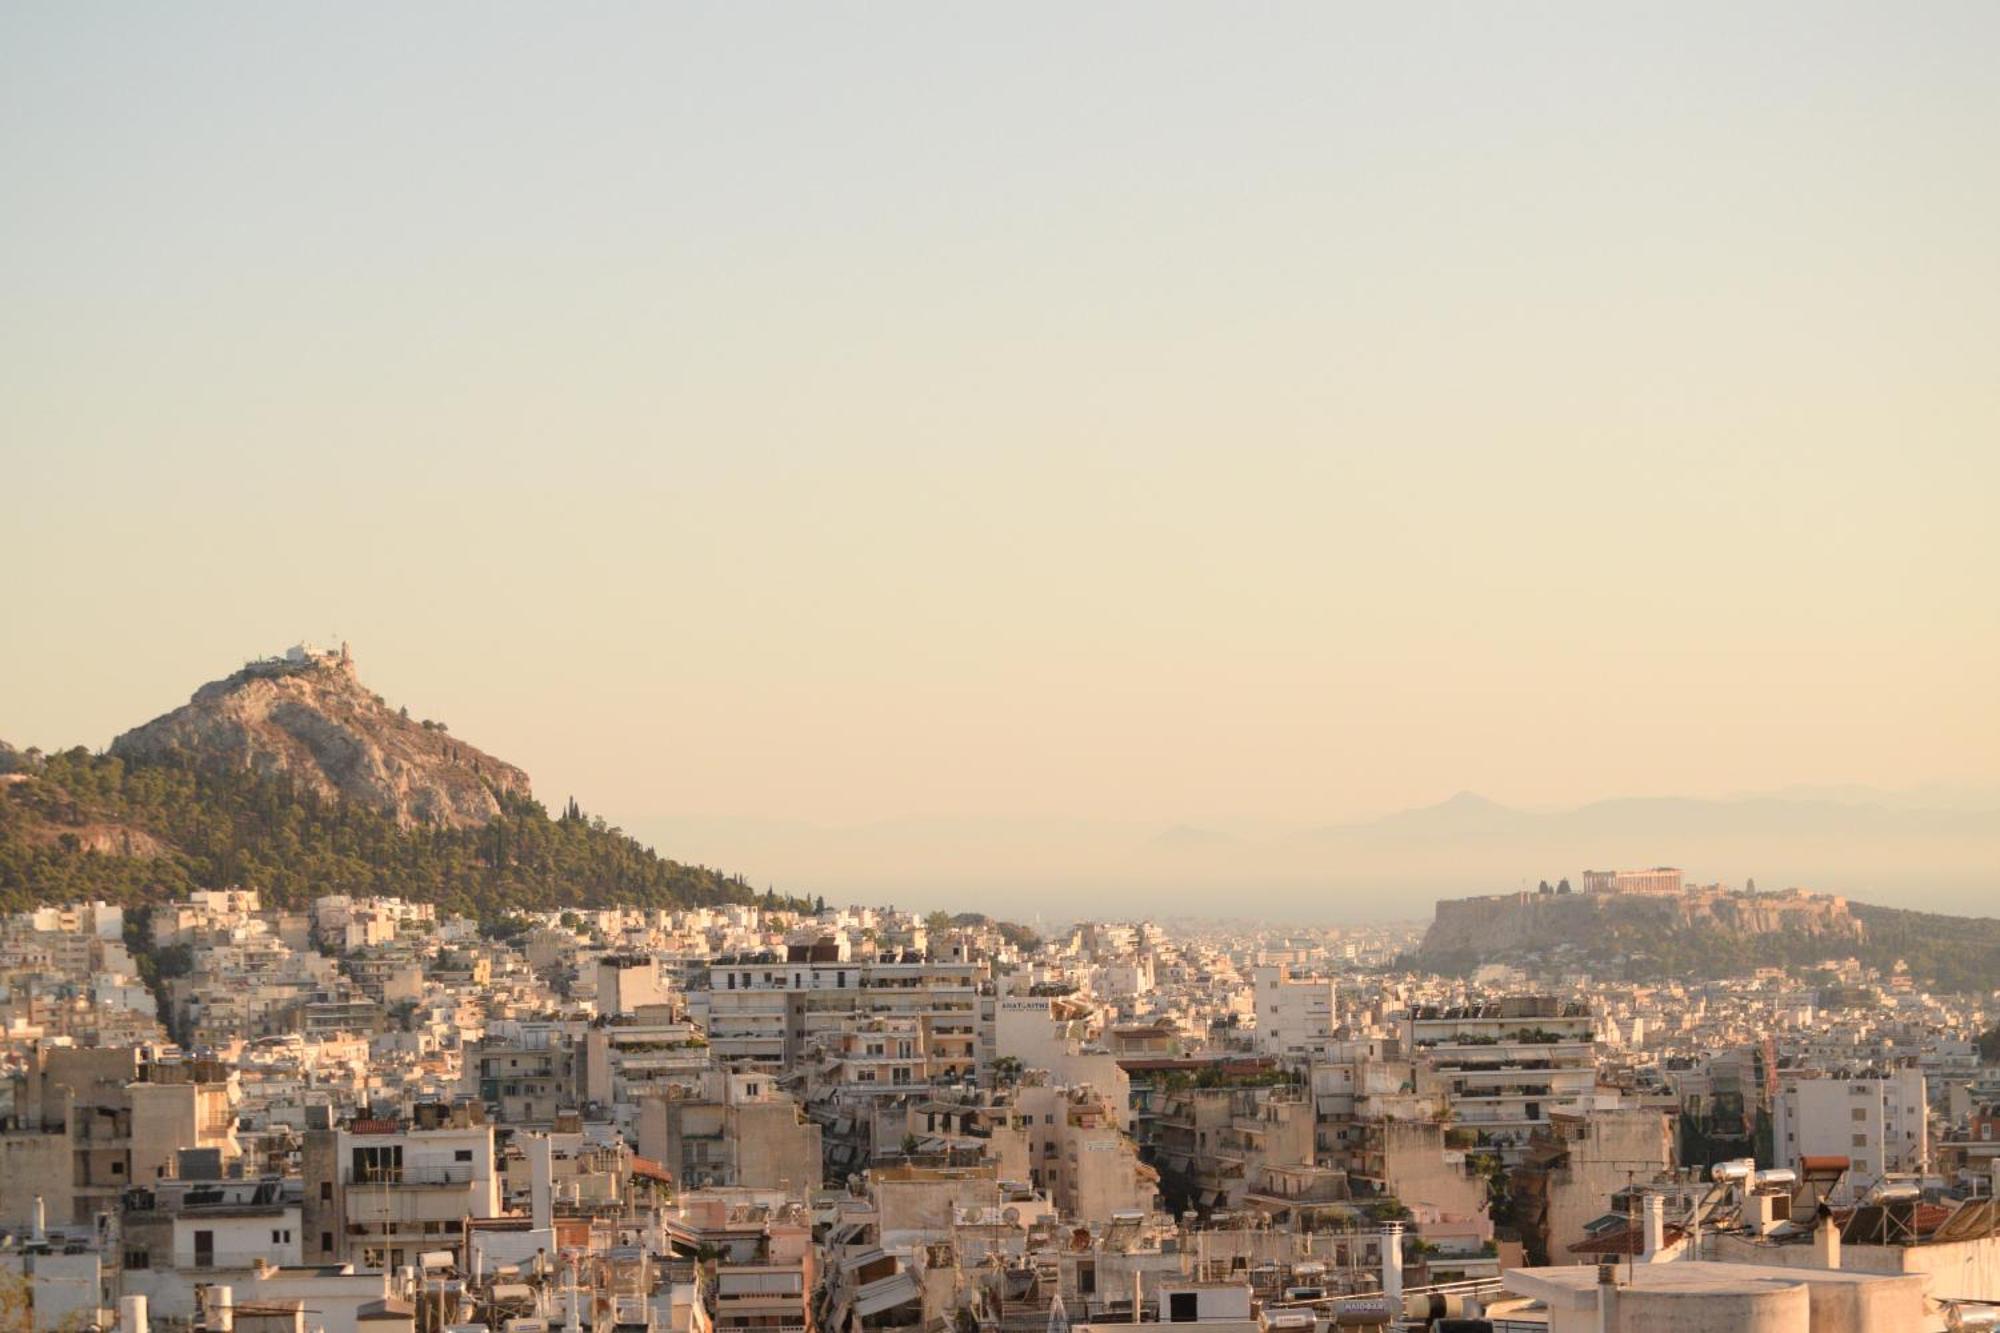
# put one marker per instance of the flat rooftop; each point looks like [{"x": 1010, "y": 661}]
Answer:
[{"x": 1574, "y": 1286}]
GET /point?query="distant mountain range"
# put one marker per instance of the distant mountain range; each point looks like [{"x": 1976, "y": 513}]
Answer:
[
  {"x": 1672, "y": 818},
  {"x": 1935, "y": 850}
]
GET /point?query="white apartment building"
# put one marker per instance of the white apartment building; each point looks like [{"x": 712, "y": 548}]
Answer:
[
  {"x": 765, "y": 1012},
  {"x": 378, "y": 1193},
  {"x": 627, "y": 982},
  {"x": 1880, "y": 1124},
  {"x": 1501, "y": 1067},
  {"x": 1295, "y": 1015}
]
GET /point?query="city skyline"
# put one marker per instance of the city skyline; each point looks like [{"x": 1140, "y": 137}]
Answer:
[{"x": 896, "y": 668}]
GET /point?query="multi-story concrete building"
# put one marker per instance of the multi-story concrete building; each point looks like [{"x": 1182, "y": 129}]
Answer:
[
  {"x": 1295, "y": 1014},
  {"x": 1074, "y": 1146},
  {"x": 741, "y": 1131},
  {"x": 524, "y": 1076},
  {"x": 628, "y": 982},
  {"x": 1879, "y": 1123},
  {"x": 378, "y": 1193},
  {"x": 1502, "y": 1067},
  {"x": 767, "y": 1011},
  {"x": 89, "y": 1124}
]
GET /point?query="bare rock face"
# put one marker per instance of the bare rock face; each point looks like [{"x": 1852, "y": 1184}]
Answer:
[
  {"x": 1505, "y": 926},
  {"x": 307, "y": 716}
]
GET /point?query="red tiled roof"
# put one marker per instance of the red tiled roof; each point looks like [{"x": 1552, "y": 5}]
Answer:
[{"x": 1623, "y": 1241}]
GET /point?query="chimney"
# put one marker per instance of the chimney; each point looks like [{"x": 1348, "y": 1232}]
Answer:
[
  {"x": 1607, "y": 1297},
  {"x": 1826, "y": 1239},
  {"x": 131, "y": 1314},
  {"x": 1392, "y": 1266},
  {"x": 1655, "y": 1206}
]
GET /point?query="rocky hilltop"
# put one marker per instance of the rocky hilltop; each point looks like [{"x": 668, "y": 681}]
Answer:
[
  {"x": 1641, "y": 933},
  {"x": 1707, "y": 932},
  {"x": 1510, "y": 924},
  {"x": 290, "y": 777},
  {"x": 306, "y": 717}
]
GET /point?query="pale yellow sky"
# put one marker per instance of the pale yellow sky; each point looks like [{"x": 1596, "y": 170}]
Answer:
[{"x": 1161, "y": 412}]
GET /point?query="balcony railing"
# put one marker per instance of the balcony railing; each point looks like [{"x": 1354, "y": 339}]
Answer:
[
  {"x": 209, "y": 1261},
  {"x": 459, "y": 1173}
]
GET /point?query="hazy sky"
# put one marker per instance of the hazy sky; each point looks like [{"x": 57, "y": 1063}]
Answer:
[{"x": 1142, "y": 411}]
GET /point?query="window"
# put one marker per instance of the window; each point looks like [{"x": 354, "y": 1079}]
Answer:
[
  {"x": 138, "y": 1259},
  {"x": 118, "y": 1168},
  {"x": 1860, "y": 1141},
  {"x": 1182, "y": 1307},
  {"x": 326, "y": 1191},
  {"x": 378, "y": 1165},
  {"x": 462, "y": 1155},
  {"x": 1860, "y": 1113},
  {"x": 326, "y": 1242}
]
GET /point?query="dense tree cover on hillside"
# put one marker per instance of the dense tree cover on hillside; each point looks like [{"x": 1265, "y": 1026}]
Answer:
[
  {"x": 1949, "y": 953},
  {"x": 223, "y": 828},
  {"x": 1021, "y": 937}
]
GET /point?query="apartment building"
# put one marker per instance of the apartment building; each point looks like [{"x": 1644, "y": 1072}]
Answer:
[
  {"x": 1295, "y": 1014},
  {"x": 1220, "y": 1146},
  {"x": 741, "y": 1130},
  {"x": 766, "y": 1011},
  {"x": 1878, "y": 1122},
  {"x": 380, "y": 1192},
  {"x": 525, "y": 1075},
  {"x": 1504, "y": 1066},
  {"x": 90, "y": 1124},
  {"x": 628, "y": 982},
  {"x": 1075, "y": 1147}
]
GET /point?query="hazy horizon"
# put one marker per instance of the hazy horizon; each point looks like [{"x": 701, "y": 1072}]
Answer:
[{"x": 1143, "y": 415}]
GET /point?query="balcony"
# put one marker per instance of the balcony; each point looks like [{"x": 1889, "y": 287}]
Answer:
[
  {"x": 210, "y": 1261},
  {"x": 458, "y": 1173}
]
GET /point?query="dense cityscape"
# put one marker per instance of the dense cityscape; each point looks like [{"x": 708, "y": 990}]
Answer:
[
  {"x": 365, "y": 1117},
  {"x": 1029, "y": 668}
]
